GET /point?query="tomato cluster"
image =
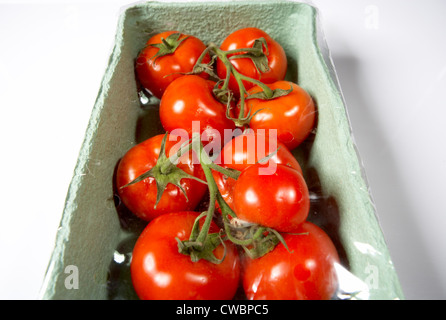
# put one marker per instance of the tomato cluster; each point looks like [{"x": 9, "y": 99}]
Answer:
[{"x": 231, "y": 122}]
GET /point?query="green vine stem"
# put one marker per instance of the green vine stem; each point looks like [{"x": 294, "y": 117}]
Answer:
[
  {"x": 255, "y": 52},
  {"x": 197, "y": 146},
  {"x": 231, "y": 173},
  {"x": 201, "y": 243},
  {"x": 241, "y": 120}
]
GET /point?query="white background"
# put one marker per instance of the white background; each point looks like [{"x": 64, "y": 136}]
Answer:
[{"x": 391, "y": 60}]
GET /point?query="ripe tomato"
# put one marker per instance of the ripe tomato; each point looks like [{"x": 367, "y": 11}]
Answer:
[
  {"x": 293, "y": 115},
  {"x": 279, "y": 199},
  {"x": 245, "y": 38},
  {"x": 160, "y": 272},
  {"x": 156, "y": 73},
  {"x": 140, "y": 198},
  {"x": 190, "y": 98},
  {"x": 245, "y": 150},
  {"x": 306, "y": 272}
]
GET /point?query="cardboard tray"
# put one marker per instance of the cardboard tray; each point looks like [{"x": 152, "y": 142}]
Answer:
[{"x": 93, "y": 246}]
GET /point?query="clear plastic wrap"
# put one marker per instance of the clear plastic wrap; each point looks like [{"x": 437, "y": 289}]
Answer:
[{"x": 98, "y": 232}]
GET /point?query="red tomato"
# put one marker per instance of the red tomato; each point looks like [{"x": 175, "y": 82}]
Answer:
[
  {"x": 306, "y": 272},
  {"x": 245, "y": 150},
  {"x": 276, "y": 199},
  {"x": 190, "y": 98},
  {"x": 245, "y": 38},
  {"x": 160, "y": 272},
  {"x": 140, "y": 198},
  {"x": 293, "y": 115},
  {"x": 156, "y": 73}
]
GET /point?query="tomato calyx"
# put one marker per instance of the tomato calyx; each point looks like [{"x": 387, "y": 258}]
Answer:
[
  {"x": 202, "y": 250},
  {"x": 255, "y": 240},
  {"x": 205, "y": 67},
  {"x": 276, "y": 93},
  {"x": 224, "y": 95},
  {"x": 201, "y": 67},
  {"x": 168, "y": 45},
  {"x": 241, "y": 122},
  {"x": 165, "y": 171},
  {"x": 256, "y": 54}
]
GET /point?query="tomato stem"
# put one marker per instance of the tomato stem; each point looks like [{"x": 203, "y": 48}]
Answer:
[
  {"x": 224, "y": 207},
  {"x": 167, "y": 44},
  {"x": 242, "y": 50},
  {"x": 203, "y": 54},
  {"x": 210, "y": 213},
  {"x": 204, "y": 160},
  {"x": 267, "y": 90},
  {"x": 226, "y": 82},
  {"x": 231, "y": 173},
  {"x": 214, "y": 193},
  {"x": 225, "y": 56}
]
